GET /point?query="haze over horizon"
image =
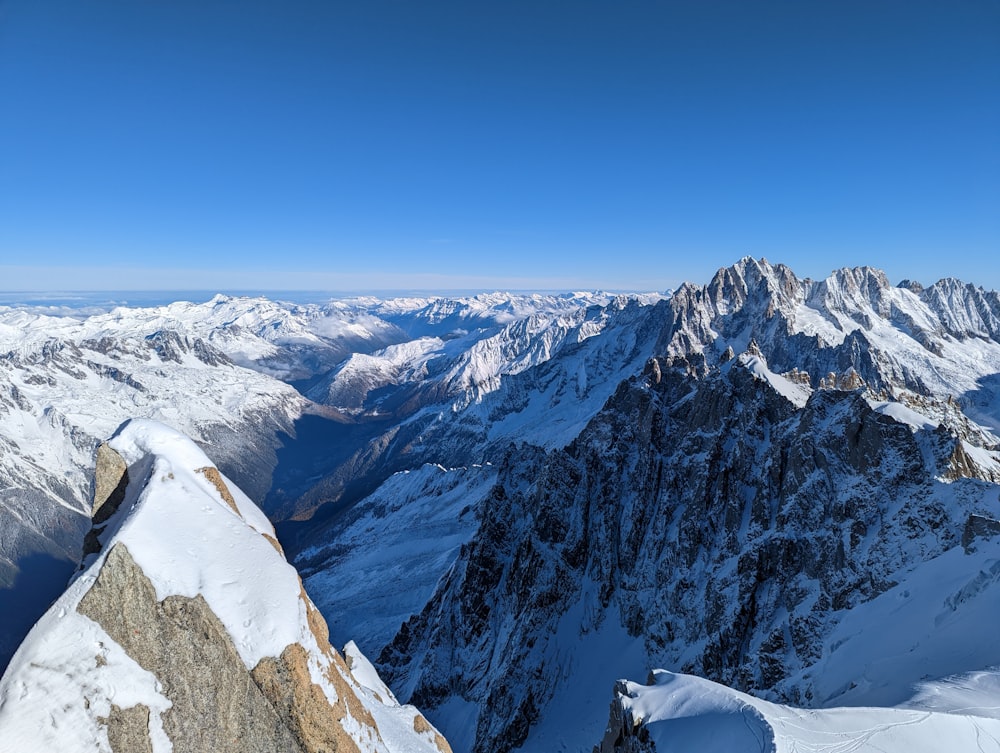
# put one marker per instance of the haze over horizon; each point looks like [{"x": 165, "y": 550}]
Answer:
[
  {"x": 148, "y": 295},
  {"x": 390, "y": 146}
]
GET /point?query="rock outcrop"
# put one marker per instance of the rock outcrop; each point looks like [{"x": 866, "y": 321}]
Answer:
[{"x": 188, "y": 631}]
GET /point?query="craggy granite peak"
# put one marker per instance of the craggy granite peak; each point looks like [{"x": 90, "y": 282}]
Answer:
[
  {"x": 725, "y": 515},
  {"x": 853, "y": 319},
  {"x": 163, "y": 643},
  {"x": 965, "y": 310}
]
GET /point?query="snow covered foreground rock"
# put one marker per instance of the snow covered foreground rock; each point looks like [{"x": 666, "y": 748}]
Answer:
[
  {"x": 186, "y": 630},
  {"x": 674, "y": 713}
]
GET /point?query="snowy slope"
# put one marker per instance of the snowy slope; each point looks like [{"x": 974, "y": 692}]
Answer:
[
  {"x": 65, "y": 383},
  {"x": 537, "y": 379},
  {"x": 386, "y": 558},
  {"x": 193, "y": 535},
  {"x": 870, "y": 689},
  {"x": 63, "y": 377},
  {"x": 722, "y": 475},
  {"x": 678, "y": 713},
  {"x": 208, "y": 369},
  {"x": 283, "y": 339},
  {"x": 441, "y": 315},
  {"x": 503, "y": 336},
  {"x": 938, "y": 620}
]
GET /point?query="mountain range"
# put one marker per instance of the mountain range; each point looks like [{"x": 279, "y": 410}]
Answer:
[{"x": 781, "y": 494}]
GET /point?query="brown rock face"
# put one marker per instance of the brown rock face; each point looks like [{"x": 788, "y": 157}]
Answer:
[
  {"x": 110, "y": 482},
  {"x": 422, "y": 726},
  {"x": 315, "y": 723},
  {"x": 213, "y": 475},
  {"x": 216, "y": 704},
  {"x": 128, "y": 730}
]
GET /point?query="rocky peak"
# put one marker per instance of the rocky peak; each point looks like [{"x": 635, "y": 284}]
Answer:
[
  {"x": 728, "y": 517},
  {"x": 166, "y": 642},
  {"x": 751, "y": 298},
  {"x": 965, "y": 310},
  {"x": 861, "y": 294},
  {"x": 759, "y": 282}
]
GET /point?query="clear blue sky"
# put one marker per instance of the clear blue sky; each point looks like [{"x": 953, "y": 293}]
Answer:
[{"x": 200, "y": 144}]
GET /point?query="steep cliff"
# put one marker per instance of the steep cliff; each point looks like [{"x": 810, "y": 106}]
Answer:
[{"x": 718, "y": 520}]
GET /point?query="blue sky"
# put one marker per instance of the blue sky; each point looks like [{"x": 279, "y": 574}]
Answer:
[{"x": 195, "y": 144}]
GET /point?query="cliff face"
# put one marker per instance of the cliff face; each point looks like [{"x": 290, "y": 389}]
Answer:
[
  {"x": 188, "y": 631},
  {"x": 727, "y": 521}
]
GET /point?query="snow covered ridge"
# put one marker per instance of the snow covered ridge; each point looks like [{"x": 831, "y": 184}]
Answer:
[
  {"x": 64, "y": 385},
  {"x": 675, "y": 713},
  {"x": 188, "y": 630},
  {"x": 817, "y": 546},
  {"x": 943, "y": 339},
  {"x": 717, "y": 521},
  {"x": 291, "y": 340},
  {"x": 209, "y": 370}
]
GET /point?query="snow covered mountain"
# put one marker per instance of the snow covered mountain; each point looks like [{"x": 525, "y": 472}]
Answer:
[
  {"x": 187, "y": 630},
  {"x": 514, "y": 501},
  {"x": 209, "y": 370},
  {"x": 535, "y": 379},
  {"x": 677, "y": 713},
  {"x": 720, "y": 518},
  {"x": 64, "y": 384}
]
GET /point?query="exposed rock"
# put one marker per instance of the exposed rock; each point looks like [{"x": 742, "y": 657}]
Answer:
[
  {"x": 216, "y": 705},
  {"x": 316, "y": 726},
  {"x": 110, "y": 481},
  {"x": 979, "y": 527},
  {"x": 191, "y": 630},
  {"x": 128, "y": 729},
  {"x": 850, "y": 380},
  {"x": 713, "y": 517},
  {"x": 213, "y": 475},
  {"x": 624, "y": 733},
  {"x": 422, "y": 727}
]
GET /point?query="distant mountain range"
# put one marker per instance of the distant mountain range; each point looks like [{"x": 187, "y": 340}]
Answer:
[{"x": 787, "y": 487}]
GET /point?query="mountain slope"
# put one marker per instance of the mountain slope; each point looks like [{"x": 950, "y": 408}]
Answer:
[
  {"x": 188, "y": 631},
  {"x": 731, "y": 481},
  {"x": 64, "y": 384},
  {"x": 724, "y": 513},
  {"x": 539, "y": 379},
  {"x": 209, "y": 370}
]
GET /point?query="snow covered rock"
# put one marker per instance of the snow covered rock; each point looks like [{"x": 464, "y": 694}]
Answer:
[
  {"x": 188, "y": 631},
  {"x": 64, "y": 385},
  {"x": 727, "y": 521},
  {"x": 674, "y": 713}
]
